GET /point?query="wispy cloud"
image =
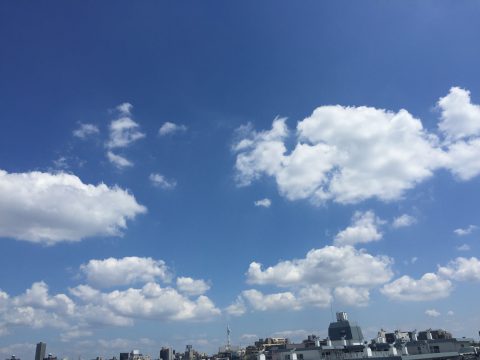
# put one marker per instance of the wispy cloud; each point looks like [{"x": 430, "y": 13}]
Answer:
[
  {"x": 162, "y": 182},
  {"x": 465, "y": 231},
  {"x": 169, "y": 128},
  {"x": 266, "y": 203},
  {"x": 85, "y": 130}
]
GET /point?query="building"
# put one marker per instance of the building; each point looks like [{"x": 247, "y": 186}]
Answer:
[
  {"x": 166, "y": 353},
  {"x": 343, "y": 331},
  {"x": 40, "y": 351},
  {"x": 124, "y": 356},
  {"x": 345, "y": 341}
]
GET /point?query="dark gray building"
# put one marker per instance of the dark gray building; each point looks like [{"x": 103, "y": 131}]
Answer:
[
  {"x": 166, "y": 353},
  {"x": 40, "y": 351},
  {"x": 343, "y": 329}
]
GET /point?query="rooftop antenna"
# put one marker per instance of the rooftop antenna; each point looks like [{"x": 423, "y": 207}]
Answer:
[{"x": 228, "y": 337}]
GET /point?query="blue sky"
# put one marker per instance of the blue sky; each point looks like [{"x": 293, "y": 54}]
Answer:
[{"x": 168, "y": 168}]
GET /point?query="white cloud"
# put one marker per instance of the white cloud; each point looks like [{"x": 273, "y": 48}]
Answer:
[
  {"x": 463, "y": 160},
  {"x": 50, "y": 208},
  {"x": 125, "y": 108},
  {"x": 125, "y": 271},
  {"x": 35, "y": 308},
  {"x": 329, "y": 266},
  {"x": 450, "y": 313},
  {"x": 260, "y": 153},
  {"x": 352, "y": 296},
  {"x": 429, "y": 287},
  {"x": 462, "y": 269},
  {"x": 364, "y": 229},
  {"x": 192, "y": 287},
  {"x": 312, "y": 295},
  {"x": 388, "y": 154},
  {"x": 119, "y": 161},
  {"x": 266, "y": 203},
  {"x": 152, "y": 302},
  {"x": 171, "y": 128},
  {"x": 237, "y": 308},
  {"x": 278, "y": 301},
  {"x": 463, "y": 247},
  {"x": 459, "y": 117},
  {"x": 466, "y": 231},
  {"x": 404, "y": 220},
  {"x": 161, "y": 182},
  {"x": 432, "y": 313},
  {"x": 85, "y": 130},
  {"x": 123, "y": 131}
]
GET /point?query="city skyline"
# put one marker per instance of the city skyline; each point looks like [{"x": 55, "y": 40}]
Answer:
[{"x": 171, "y": 169}]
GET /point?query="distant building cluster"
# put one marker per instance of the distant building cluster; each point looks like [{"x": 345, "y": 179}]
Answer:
[{"x": 345, "y": 341}]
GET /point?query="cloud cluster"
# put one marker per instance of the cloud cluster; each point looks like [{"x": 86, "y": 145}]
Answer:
[
  {"x": 350, "y": 154},
  {"x": 433, "y": 286},
  {"x": 48, "y": 208},
  {"x": 342, "y": 272},
  {"x": 87, "y": 306},
  {"x": 330, "y": 266}
]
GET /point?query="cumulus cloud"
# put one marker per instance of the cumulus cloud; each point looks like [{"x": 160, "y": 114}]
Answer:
[
  {"x": 329, "y": 266},
  {"x": 345, "y": 271},
  {"x": 312, "y": 295},
  {"x": 151, "y": 302},
  {"x": 352, "y": 296},
  {"x": 459, "y": 117},
  {"x": 466, "y": 231},
  {"x": 404, "y": 220},
  {"x": 462, "y": 269},
  {"x": 429, "y": 287},
  {"x": 162, "y": 182},
  {"x": 35, "y": 308},
  {"x": 119, "y": 161},
  {"x": 125, "y": 271},
  {"x": 432, "y": 313},
  {"x": 77, "y": 316},
  {"x": 192, "y": 287},
  {"x": 266, "y": 203},
  {"x": 387, "y": 154},
  {"x": 170, "y": 128},
  {"x": 364, "y": 229},
  {"x": 123, "y": 130},
  {"x": 278, "y": 301},
  {"x": 50, "y": 208},
  {"x": 85, "y": 130}
]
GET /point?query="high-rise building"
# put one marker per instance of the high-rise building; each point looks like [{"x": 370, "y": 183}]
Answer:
[
  {"x": 40, "y": 351},
  {"x": 166, "y": 353},
  {"x": 124, "y": 356}
]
